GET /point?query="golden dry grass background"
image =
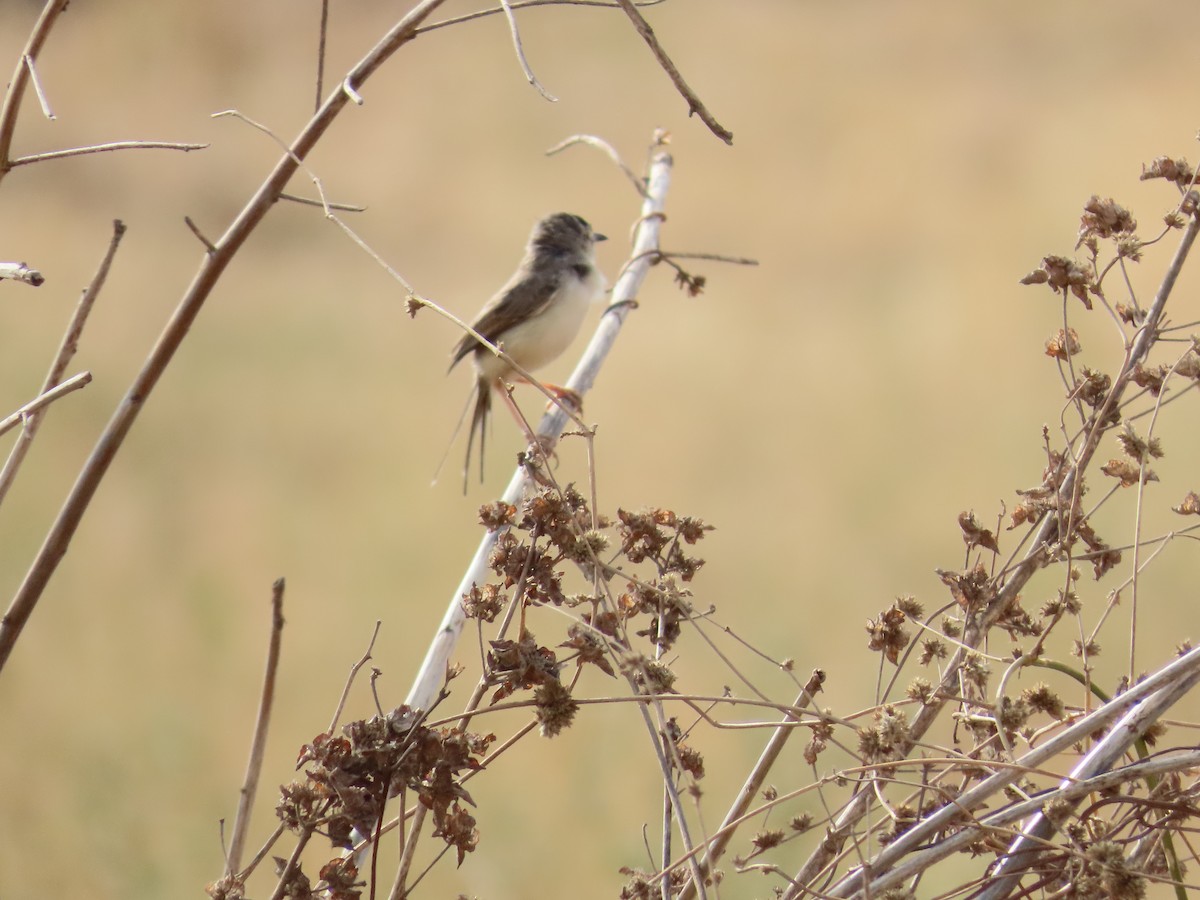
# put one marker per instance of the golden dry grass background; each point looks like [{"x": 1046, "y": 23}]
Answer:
[{"x": 896, "y": 168}]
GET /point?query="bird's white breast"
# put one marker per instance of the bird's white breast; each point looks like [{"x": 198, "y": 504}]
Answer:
[{"x": 541, "y": 339}]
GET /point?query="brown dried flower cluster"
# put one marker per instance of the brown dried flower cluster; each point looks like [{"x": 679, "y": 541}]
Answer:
[{"x": 349, "y": 777}]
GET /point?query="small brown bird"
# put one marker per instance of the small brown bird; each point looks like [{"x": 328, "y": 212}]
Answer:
[{"x": 535, "y": 316}]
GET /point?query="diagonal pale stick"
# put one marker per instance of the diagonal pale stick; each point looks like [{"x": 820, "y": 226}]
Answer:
[{"x": 432, "y": 674}]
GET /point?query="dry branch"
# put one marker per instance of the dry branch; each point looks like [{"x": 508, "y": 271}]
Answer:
[
  {"x": 20, "y": 79},
  {"x": 212, "y": 266},
  {"x": 1044, "y": 534},
  {"x": 43, "y": 400},
  {"x": 694, "y": 103},
  {"x": 62, "y": 358},
  {"x": 21, "y": 272},
  {"x": 258, "y": 745}
]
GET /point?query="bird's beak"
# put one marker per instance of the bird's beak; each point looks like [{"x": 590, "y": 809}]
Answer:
[{"x": 598, "y": 237}]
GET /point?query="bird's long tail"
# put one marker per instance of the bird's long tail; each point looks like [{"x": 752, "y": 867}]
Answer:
[
  {"x": 483, "y": 407},
  {"x": 473, "y": 396}
]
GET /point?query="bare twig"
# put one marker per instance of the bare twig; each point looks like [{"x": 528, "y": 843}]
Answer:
[
  {"x": 21, "y": 272},
  {"x": 258, "y": 744},
  {"x": 322, "y": 33},
  {"x": 528, "y": 4},
  {"x": 212, "y": 266},
  {"x": 62, "y": 358},
  {"x": 516, "y": 39},
  {"x": 608, "y": 150},
  {"x": 307, "y": 201},
  {"x": 103, "y": 148},
  {"x": 354, "y": 670},
  {"x": 195, "y": 229},
  {"x": 754, "y": 781},
  {"x": 71, "y": 384},
  {"x": 37, "y": 88},
  {"x": 20, "y": 78},
  {"x": 694, "y": 104}
]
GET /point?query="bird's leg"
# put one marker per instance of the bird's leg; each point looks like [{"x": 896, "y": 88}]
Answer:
[
  {"x": 545, "y": 444},
  {"x": 505, "y": 392},
  {"x": 563, "y": 394}
]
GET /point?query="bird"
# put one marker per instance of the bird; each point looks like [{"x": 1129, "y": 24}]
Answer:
[{"x": 535, "y": 316}]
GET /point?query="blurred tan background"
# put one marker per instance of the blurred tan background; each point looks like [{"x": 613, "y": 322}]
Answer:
[{"x": 895, "y": 168}]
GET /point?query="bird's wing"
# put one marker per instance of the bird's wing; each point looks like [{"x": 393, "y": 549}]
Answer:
[{"x": 525, "y": 297}]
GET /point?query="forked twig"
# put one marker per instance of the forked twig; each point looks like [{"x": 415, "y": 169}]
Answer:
[
  {"x": 516, "y": 39},
  {"x": 43, "y": 400},
  {"x": 20, "y": 79},
  {"x": 354, "y": 670},
  {"x": 58, "y": 367}
]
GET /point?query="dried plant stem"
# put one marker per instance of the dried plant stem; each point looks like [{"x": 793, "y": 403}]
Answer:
[
  {"x": 520, "y": 51},
  {"x": 212, "y": 266},
  {"x": 289, "y": 868},
  {"x": 22, "y": 273},
  {"x": 607, "y": 149},
  {"x": 258, "y": 745},
  {"x": 44, "y": 400},
  {"x": 694, "y": 104},
  {"x": 754, "y": 782},
  {"x": 104, "y": 148},
  {"x": 1024, "y": 850},
  {"x": 1185, "y": 671},
  {"x": 1071, "y": 791},
  {"x": 354, "y": 670},
  {"x": 528, "y": 4},
  {"x": 977, "y": 628},
  {"x": 432, "y": 673},
  {"x": 322, "y": 34},
  {"x": 62, "y": 358}
]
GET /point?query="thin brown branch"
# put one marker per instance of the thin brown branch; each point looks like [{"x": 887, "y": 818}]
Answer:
[
  {"x": 42, "y": 400},
  {"x": 20, "y": 79},
  {"x": 754, "y": 781},
  {"x": 322, "y": 33},
  {"x": 694, "y": 104},
  {"x": 608, "y": 150},
  {"x": 354, "y": 670},
  {"x": 104, "y": 148},
  {"x": 195, "y": 229},
  {"x": 21, "y": 272},
  {"x": 516, "y": 39},
  {"x": 258, "y": 745},
  {"x": 308, "y": 201},
  {"x": 58, "y": 366},
  {"x": 212, "y": 267},
  {"x": 527, "y": 4}
]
